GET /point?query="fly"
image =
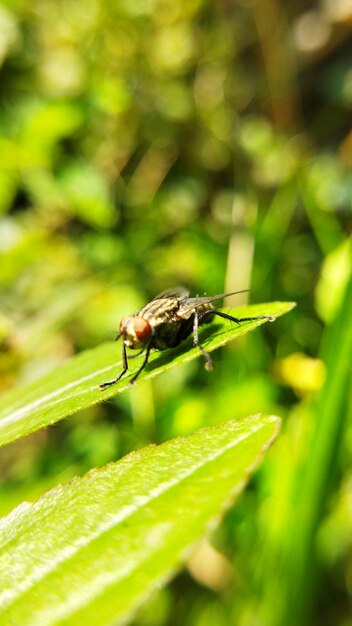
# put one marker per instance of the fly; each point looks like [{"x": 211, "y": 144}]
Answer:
[{"x": 166, "y": 321}]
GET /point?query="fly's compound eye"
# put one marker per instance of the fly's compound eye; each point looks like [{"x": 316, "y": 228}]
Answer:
[
  {"x": 136, "y": 331},
  {"x": 142, "y": 329}
]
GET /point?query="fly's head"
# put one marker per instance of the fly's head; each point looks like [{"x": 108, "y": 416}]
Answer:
[{"x": 136, "y": 332}]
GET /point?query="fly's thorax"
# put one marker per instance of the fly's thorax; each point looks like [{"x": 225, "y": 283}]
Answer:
[
  {"x": 135, "y": 331},
  {"x": 160, "y": 311}
]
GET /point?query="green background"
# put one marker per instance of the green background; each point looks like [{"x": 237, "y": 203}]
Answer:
[{"x": 149, "y": 144}]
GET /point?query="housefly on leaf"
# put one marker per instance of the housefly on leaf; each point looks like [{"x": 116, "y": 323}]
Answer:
[{"x": 166, "y": 321}]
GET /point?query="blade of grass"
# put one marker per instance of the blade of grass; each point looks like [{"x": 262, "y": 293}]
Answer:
[
  {"x": 74, "y": 385},
  {"x": 91, "y": 551},
  {"x": 319, "y": 471},
  {"x": 288, "y": 559}
]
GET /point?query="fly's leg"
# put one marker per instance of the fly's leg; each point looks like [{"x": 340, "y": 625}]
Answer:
[
  {"x": 134, "y": 356},
  {"x": 124, "y": 370},
  {"x": 208, "y": 362},
  {"x": 145, "y": 361},
  {"x": 238, "y": 320}
]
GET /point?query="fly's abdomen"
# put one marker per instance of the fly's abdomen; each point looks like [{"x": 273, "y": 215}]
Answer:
[{"x": 205, "y": 313}]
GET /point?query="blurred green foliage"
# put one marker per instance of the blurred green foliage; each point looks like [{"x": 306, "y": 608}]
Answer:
[{"x": 148, "y": 144}]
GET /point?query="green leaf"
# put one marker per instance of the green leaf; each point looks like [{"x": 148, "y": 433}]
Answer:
[
  {"x": 75, "y": 384},
  {"x": 91, "y": 551}
]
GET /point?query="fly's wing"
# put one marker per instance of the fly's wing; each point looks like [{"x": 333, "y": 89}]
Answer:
[
  {"x": 202, "y": 302},
  {"x": 174, "y": 292}
]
